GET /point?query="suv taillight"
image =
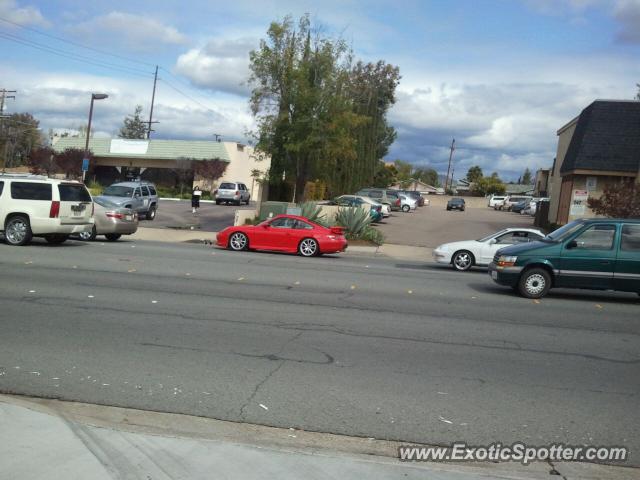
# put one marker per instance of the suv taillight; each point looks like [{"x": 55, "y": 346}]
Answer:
[{"x": 54, "y": 211}]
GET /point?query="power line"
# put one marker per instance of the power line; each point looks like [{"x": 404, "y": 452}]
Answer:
[
  {"x": 72, "y": 56},
  {"x": 184, "y": 83},
  {"x": 188, "y": 96},
  {"x": 39, "y": 32}
]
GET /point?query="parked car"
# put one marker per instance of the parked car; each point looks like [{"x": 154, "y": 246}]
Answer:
[
  {"x": 375, "y": 208},
  {"x": 285, "y": 233},
  {"x": 596, "y": 254},
  {"x": 141, "y": 197},
  {"x": 510, "y": 201},
  {"x": 417, "y": 196},
  {"x": 456, "y": 204},
  {"x": 520, "y": 206},
  {"x": 496, "y": 200},
  {"x": 382, "y": 195},
  {"x": 232, "y": 192},
  {"x": 37, "y": 206},
  {"x": 407, "y": 203},
  {"x": 111, "y": 221},
  {"x": 466, "y": 254}
]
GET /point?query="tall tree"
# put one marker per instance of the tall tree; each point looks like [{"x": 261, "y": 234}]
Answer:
[
  {"x": 317, "y": 116},
  {"x": 20, "y": 134},
  {"x": 474, "y": 173},
  {"x": 133, "y": 126},
  {"x": 427, "y": 175},
  {"x": 526, "y": 177},
  {"x": 489, "y": 186},
  {"x": 41, "y": 161},
  {"x": 69, "y": 162}
]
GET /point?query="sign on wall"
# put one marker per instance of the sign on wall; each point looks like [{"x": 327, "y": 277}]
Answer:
[
  {"x": 579, "y": 203},
  {"x": 592, "y": 184}
]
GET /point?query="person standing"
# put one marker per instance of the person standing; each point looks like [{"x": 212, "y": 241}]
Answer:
[{"x": 195, "y": 199}]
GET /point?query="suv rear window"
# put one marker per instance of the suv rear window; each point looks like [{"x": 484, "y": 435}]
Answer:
[
  {"x": 30, "y": 191},
  {"x": 228, "y": 186},
  {"x": 73, "y": 193},
  {"x": 152, "y": 190}
]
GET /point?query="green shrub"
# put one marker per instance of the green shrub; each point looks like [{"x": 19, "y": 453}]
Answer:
[
  {"x": 312, "y": 211},
  {"x": 373, "y": 235},
  {"x": 354, "y": 220},
  {"x": 95, "y": 188}
]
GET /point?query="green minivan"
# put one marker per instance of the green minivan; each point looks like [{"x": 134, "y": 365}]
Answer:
[{"x": 595, "y": 254}]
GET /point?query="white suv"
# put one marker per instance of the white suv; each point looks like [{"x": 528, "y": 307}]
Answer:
[
  {"x": 232, "y": 192},
  {"x": 37, "y": 206}
]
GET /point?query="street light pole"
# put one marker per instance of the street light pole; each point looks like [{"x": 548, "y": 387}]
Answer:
[{"x": 94, "y": 96}]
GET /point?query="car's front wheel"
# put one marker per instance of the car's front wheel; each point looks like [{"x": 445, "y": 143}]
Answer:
[
  {"x": 88, "y": 236},
  {"x": 238, "y": 241},
  {"x": 406, "y": 208},
  {"x": 151, "y": 213},
  {"x": 308, "y": 247},
  {"x": 534, "y": 283},
  {"x": 462, "y": 260},
  {"x": 17, "y": 231}
]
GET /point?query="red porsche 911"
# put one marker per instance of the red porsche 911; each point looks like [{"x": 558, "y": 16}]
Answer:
[{"x": 284, "y": 233}]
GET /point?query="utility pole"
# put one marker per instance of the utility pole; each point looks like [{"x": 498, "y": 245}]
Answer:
[
  {"x": 446, "y": 183},
  {"x": 3, "y": 97},
  {"x": 153, "y": 99}
]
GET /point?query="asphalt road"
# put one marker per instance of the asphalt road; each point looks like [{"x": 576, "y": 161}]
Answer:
[{"x": 344, "y": 344}]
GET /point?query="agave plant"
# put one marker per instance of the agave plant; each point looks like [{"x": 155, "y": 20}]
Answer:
[
  {"x": 354, "y": 220},
  {"x": 313, "y": 212}
]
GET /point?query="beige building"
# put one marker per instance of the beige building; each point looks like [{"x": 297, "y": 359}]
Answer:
[
  {"x": 114, "y": 159},
  {"x": 599, "y": 147}
]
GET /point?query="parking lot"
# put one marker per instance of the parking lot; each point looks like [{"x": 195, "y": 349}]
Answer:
[{"x": 432, "y": 225}]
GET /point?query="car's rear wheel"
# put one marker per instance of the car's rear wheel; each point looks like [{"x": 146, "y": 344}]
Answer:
[
  {"x": 88, "y": 236},
  {"x": 17, "y": 230},
  {"x": 238, "y": 241},
  {"x": 462, "y": 260},
  {"x": 113, "y": 237},
  {"x": 56, "y": 239},
  {"x": 406, "y": 208},
  {"x": 534, "y": 283},
  {"x": 308, "y": 247},
  {"x": 151, "y": 213}
]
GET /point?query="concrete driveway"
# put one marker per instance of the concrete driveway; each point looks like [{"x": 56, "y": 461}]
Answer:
[{"x": 210, "y": 217}]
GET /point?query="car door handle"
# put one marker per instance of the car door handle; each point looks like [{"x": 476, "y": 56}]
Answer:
[{"x": 605, "y": 262}]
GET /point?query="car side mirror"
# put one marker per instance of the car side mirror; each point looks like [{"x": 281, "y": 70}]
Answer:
[
  {"x": 493, "y": 241},
  {"x": 266, "y": 225},
  {"x": 572, "y": 244}
]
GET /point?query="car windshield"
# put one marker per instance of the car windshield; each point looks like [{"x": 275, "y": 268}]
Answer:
[
  {"x": 489, "y": 237},
  {"x": 563, "y": 232},
  {"x": 118, "y": 191}
]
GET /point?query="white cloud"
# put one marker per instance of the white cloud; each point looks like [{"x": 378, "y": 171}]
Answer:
[
  {"x": 28, "y": 15},
  {"x": 136, "y": 32},
  {"x": 221, "y": 65}
]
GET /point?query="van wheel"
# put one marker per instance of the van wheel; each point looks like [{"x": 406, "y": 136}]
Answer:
[
  {"x": 56, "y": 239},
  {"x": 534, "y": 283},
  {"x": 17, "y": 230}
]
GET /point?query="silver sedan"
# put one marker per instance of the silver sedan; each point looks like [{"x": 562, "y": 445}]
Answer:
[{"x": 111, "y": 221}]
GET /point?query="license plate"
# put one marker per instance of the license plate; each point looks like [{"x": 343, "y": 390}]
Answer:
[{"x": 494, "y": 275}]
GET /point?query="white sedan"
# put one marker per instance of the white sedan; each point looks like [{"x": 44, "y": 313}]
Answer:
[{"x": 464, "y": 255}]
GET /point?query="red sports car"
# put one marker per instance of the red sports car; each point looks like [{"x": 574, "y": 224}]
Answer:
[{"x": 285, "y": 233}]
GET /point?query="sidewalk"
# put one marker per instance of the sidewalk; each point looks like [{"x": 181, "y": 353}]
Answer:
[
  {"x": 51, "y": 440},
  {"x": 399, "y": 252}
]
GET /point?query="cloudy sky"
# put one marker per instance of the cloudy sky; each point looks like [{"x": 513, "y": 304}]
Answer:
[{"x": 501, "y": 76}]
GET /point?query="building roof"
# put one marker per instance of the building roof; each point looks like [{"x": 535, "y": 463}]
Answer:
[
  {"x": 606, "y": 138},
  {"x": 514, "y": 188},
  {"x": 151, "y": 149}
]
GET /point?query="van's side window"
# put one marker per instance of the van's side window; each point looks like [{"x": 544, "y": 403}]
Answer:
[
  {"x": 30, "y": 191},
  {"x": 630, "y": 238},
  {"x": 596, "y": 237}
]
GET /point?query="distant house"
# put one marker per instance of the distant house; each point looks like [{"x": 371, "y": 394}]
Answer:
[
  {"x": 463, "y": 187},
  {"x": 541, "y": 182},
  {"x": 417, "y": 185},
  {"x": 517, "y": 189},
  {"x": 599, "y": 147}
]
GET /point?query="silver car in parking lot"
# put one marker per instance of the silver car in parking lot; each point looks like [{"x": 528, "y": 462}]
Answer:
[{"x": 111, "y": 220}]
